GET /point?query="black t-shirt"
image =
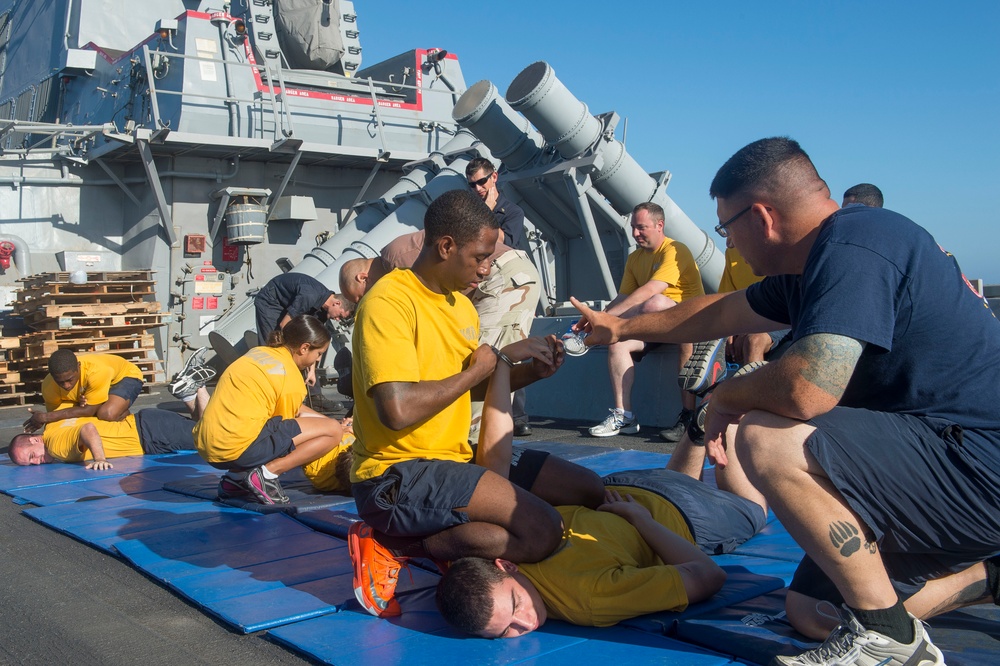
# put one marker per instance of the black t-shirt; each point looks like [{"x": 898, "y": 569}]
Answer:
[
  {"x": 511, "y": 219},
  {"x": 932, "y": 343}
]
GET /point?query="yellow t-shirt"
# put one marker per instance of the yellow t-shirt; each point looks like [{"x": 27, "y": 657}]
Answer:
[
  {"x": 119, "y": 438},
  {"x": 322, "y": 473},
  {"x": 737, "y": 274},
  {"x": 263, "y": 383},
  {"x": 605, "y": 572},
  {"x": 403, "y": 332},
  {"x": 98, "y": 372},
  {"x": 671, "y": 263}
]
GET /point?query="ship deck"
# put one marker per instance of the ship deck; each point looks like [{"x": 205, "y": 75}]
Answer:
[{"x": 154, "y": 576}]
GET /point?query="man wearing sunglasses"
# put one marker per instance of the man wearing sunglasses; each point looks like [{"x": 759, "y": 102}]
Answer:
[{"x": 875, "y": 438}]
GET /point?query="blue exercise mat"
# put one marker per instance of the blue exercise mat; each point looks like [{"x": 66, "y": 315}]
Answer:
[
  {"x": 259, "y": 574},
  {"x": 14, "y": 477},
  {"x": 335, "y": 522},
  {"x": 772, "y": 542},
  {"x": 104, "y": 523},
  {"x": 302, "y": 495},
  {"x": 422, "y": 639},
  {"x": 742, "y": 583},
  {"x": 151, "y": 478},
  {"x": 607, "y": 462}
]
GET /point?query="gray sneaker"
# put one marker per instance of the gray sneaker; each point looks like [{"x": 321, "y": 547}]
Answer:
[
  {"x": 850, "y": 643},
  {"x": 616, "y": 424}
]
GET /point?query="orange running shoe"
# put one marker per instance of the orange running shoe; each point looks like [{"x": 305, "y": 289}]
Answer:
[{"x": 376, "y": 572}]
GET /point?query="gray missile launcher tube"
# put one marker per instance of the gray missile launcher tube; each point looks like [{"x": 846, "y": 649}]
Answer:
[
  {"x": 566, "y": 123},
  {"x": 407, "y": 218},
  {"x": 323, "y": 256}
]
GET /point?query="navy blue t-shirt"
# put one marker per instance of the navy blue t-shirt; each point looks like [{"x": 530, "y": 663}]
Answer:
[
  {"x": 511, "y": 219},
  {"x": 292, "y": 294},
  {"x": 932, "y": 343}
]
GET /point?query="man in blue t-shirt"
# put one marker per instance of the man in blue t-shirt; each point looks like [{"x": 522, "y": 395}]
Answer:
[{"x": 876, "y": 437}]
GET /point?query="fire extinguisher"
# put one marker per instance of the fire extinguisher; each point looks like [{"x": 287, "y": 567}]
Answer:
[{"x": 6, "y": 252}]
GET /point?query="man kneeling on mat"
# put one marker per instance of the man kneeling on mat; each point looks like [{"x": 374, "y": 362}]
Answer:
[
  {"x": 646, "y": 549},
  {"x": 93, "y": 441}
]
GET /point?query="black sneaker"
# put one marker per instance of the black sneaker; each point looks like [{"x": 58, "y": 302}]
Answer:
[
  {"x": 230, "y": 487},
  {"x": 676, "y": 431},
  {"x": 266, "y": 491}
]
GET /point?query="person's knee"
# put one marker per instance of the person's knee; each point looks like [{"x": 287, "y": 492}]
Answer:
[
  {"x": 112, "y": 410},
  {"x": 657, "y": 303},
  {"x": 757, "y": 445},
  {"x": 543, "y": 533}
]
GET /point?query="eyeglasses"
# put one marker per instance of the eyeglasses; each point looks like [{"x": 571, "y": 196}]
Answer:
[
  {"x": 479, "y": 183},
  {"x": 721, "y": 228}
]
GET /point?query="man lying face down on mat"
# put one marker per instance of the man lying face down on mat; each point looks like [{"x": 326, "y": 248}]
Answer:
[
  {"x": 644, "y": 550},
  {"x": 93, "y": 441}
]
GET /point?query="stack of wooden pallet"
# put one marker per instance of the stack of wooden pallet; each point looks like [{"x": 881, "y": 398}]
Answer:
[{"x": 109, "y": 313}]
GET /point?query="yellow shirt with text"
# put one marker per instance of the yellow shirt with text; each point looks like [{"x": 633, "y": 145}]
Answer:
[
  {"x": 119, "y": 438},
  {"x": 404, "y": 332},
  {"x": 261, "y": 384}
]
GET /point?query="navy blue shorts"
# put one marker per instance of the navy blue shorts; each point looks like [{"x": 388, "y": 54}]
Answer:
[
  {"x": 127, "y": 389},
  {"x": 420, "y": 497},
  {"x": 161, "y": 431},
  {"x": 918, "y": 485},
  {"x": 719, "y": 521},
  {"x": 274, "y": 441}
]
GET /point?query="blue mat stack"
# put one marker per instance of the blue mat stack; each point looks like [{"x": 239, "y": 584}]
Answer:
[{"x": 289, "y": 573}]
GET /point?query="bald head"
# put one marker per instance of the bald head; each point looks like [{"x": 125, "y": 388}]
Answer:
[{"x": 354, "y": 279}]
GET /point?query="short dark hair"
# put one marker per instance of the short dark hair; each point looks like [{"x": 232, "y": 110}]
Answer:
[
  {"x": 776, "y": 168},
  {"x": 301, "y": 329},
  {"x": 460, "y": 214},
  {"x": 465, "y": 594},
  {"x": 477, "y": 163},
  {"x": 20, "y": 441},
  {"x": 865, "y": 193},
  {"x": 655, "y": 210},
  {"x": 62, "y": 361}
]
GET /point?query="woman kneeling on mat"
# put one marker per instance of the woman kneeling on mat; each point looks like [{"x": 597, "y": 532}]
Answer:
[{"x": 255, "y": 425}]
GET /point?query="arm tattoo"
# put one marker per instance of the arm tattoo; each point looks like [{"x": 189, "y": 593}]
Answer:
[{"x": 830, "y": 360}]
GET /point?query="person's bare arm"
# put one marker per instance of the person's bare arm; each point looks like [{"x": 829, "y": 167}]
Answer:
[
  {"x": 546, "y": 356},
  {"x": 90, "y": 440},
  {"x": 402, "y": 404},
  {"x": 809, "y": 380},
  {"x": 496, "y": 433},
  {"x": 696, "y": 319},
  {"x": 700, "y": 575},
  {"x": 284, "y": 320},
  {"x": 39, "y": 419}
]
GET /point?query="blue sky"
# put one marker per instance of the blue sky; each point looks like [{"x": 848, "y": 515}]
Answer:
[{"x": 905, "y": 95}]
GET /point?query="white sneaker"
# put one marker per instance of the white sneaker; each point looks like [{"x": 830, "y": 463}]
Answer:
[
  {"x": 851, "y": 643},
  {"x": 616, "y": 424}
]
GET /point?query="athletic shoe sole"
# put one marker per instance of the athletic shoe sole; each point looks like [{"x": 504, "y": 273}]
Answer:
[{"x": 706, "y": 367}]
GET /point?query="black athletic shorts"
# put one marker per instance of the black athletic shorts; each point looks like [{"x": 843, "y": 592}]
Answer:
[
  {"x": 274, "y": 441},
  {"x": 927, "y": 490},
  {"x": 161, "y": 431},
  {"x": 128, "y": 389},
  {"x": 422, "y": 497}
]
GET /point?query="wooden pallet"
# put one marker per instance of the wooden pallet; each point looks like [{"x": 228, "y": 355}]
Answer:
[
  {"x": 63, "y": 291},
  {"x": 113, "y": 324},
  {"x": 46, "y": 313},
  {"x": 42, "y": 279},
  {"x": 40, "y": 345},
  {"x": 26, "y": 300}
]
